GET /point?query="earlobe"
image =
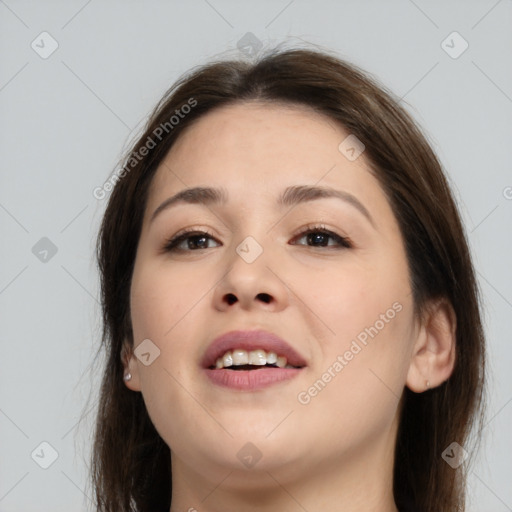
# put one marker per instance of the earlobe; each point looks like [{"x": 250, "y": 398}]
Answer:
[
  {"x": 433, "y": 357},
  {"x": 131, "y": 374}
]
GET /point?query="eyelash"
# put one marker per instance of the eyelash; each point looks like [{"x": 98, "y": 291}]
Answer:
[{"x": 171, "y": 244}]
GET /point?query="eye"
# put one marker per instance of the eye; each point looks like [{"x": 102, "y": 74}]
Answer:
[
  {"x": 196, "y": 240},
  {"x": 319, "y": 236}
]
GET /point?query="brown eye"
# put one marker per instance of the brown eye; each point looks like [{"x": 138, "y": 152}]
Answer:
[
  {"x": 195, "y": 240},
  {"x": 318, "y": 236}
]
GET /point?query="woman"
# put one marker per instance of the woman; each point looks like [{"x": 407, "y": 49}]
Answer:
[{"x": 291, "y": 317}]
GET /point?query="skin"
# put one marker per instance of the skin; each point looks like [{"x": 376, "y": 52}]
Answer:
[{"x": 335, "y": 452}]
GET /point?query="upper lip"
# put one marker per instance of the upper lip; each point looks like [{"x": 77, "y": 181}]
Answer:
[{"x": 250, "y": 340}]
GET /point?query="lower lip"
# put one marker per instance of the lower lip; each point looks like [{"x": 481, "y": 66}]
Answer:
[{"x": 251, "y": 380}]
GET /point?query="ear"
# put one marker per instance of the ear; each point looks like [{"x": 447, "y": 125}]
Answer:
[
  {"x": 433, "y": 356},
  {"x": 130, "y": 365}
]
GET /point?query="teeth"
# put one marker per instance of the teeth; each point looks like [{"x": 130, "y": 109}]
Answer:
[
  {"x": 227, "y": 360},
  {"x": 240, "y": 357},
  {"x": 281, "y": 362},
  {"x": 259, "y": 357},
  {"x": 271, "y": 357}
]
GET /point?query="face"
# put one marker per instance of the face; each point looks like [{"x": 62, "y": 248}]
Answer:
[{"x": 326, "y": 274}]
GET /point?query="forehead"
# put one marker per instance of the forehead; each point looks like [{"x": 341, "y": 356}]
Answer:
[
  {"x": 251, "y": 133},
  {"x": 259, "y": 149}
]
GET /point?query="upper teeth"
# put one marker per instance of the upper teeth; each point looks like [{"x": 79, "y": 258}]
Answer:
[{"x": 258, "y": 357}]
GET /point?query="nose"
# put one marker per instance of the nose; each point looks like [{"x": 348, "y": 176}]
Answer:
[{"x": 252, "y": 285}]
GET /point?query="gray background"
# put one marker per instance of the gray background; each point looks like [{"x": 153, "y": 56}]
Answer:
[{"x": 65, "y": 119}]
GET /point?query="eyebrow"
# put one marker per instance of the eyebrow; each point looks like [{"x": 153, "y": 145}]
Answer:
[{"x": 290, "y": 197}]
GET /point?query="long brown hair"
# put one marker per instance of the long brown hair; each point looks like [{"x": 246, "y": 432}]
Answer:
[{"x": 131, "y": 469}]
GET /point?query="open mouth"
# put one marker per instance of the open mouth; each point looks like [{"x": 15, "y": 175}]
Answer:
[
  {"x": 239, "y": 359},
  {"x": 251, "y": 361}
]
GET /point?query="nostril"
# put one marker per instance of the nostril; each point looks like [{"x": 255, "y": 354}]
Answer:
[
  {"x": 231, "y": 299},
  {"x": 265, "y": 297}
]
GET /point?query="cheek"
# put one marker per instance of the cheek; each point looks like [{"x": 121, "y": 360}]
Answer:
[
  {"x": 352, "y": 297},
  {"x": 161, "y": 296},
  {"x": 368, "y": 313},
  {"x": 162, "y": 302},
  {"x": 358, "y": 386}
]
